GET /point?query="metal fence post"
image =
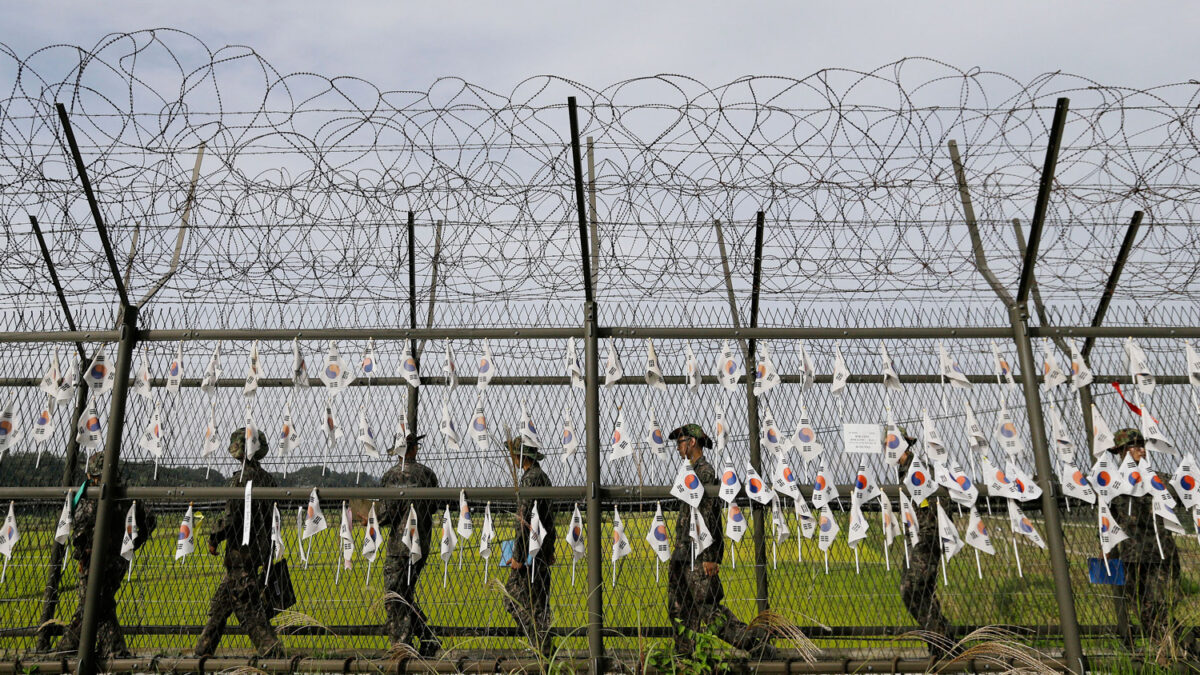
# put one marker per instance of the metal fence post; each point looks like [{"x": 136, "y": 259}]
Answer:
[
  {"x": 595, "y": 509},
  {"x": 106, "y": 509},
  {"x": 591, "y": 369},
  {"x": 51, "y": 594},
  {"x": 1054, "y": 531},
  {"x": 411, "y": 416},
  {"x": 760, "y": 537},
  {"x": 1018, "y": 317}
]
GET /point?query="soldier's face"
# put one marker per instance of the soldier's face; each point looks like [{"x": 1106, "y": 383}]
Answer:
[
  {"x": 1137, "y": 452},
  {"x": 684, "y": 446}
]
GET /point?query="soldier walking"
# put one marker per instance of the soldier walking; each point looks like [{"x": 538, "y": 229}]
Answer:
[
  {"x": 405, "y": 620},
  {"x": 109, "y": 640},
  {"x": 528, "y": 587},
  {"x": 694, "y": 591},
  {"x": 919, "y": 580},
  {"x": 1152, "y": 580},
  {"x": 241, "y": 590}
]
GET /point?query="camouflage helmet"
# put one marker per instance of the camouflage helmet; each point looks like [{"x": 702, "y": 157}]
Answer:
[
  {"x": 517, "y": 448},
  {"x": 95, "y": 464},
  {"x": 1126, "y": 438},
  {"x": 237, "y": 444},
  {"x": 691, "y": 431}
]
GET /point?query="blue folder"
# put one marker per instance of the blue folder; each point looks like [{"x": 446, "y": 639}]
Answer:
[
  {"x": 1113, "y": 575},
  {"x": 506, "y": 551}
]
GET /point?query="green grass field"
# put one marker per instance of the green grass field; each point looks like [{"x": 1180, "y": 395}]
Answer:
[{"x": 163, "y": 592}]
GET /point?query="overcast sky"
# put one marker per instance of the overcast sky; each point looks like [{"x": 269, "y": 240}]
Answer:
[{"x": 496, "y": 44}]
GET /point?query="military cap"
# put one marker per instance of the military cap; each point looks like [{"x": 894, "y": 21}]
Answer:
[
  {"x": 1126, "y": 438},
  {"x": 237, "y": 444},
  {"x": 95, "y": 464},
  {"x": 518, "y": 448},
  {"x": 691, "y": 431}
]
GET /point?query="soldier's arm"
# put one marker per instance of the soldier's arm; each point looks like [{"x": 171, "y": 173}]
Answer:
[
  {"x": 227, "y": 521},
  {"x": 146, "y": 522},
  {"x": 85, "y": 525},
  {"x": 711, "y": 511},
  {"x": 521, "y": 526}
]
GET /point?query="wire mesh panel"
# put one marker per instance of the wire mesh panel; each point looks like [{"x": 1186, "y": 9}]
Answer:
[{"x": 339, "y": 246}]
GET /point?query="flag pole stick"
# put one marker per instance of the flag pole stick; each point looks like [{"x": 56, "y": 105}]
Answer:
[
  {"x": 446, "y": 572},
  {"x": 978, "y": 568},
  {"x": 4, "y": 572},
  {"x": 774, "y": 555},
  {"x": 368, "y": 582},
  {"x": 945, "y": 577},
  {"x": 573, "y": 561},
  {"x": 486, "y": 566},
  {"x": 1157, "y": 540},
  {"x": 826, "y": 561},
  {"x": 857, "y": 570},
  {"x": 799, "y": 542},
  {"x": 733, "y": 553},
  {"x": 656, "y": 570},
  {"x": 887, "y": 559},
  {"x": 1017, "y": 554},
  {"x": 410, "y": 568},
  {"x": 337, "y": 575}
]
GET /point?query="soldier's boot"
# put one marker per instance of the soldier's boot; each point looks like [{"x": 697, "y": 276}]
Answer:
[
  {"x": 429, "y": 647},
  {"x": 684, "y": 644},
  {"x": 546, "y": 645},
  {"x": 765, "y": 652}
]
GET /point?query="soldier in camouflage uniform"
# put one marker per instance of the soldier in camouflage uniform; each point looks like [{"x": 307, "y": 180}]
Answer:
[
  {"x": 694, "y": 590},
  {"x": 241, "y": 591},
  {"x": 109, "y": 640},
  {"x": 919, "y": 580},
  {"x": 405, "y": 619},
  {"x": 1152, "y": 580},
  {"x": 527, "y": 596}
]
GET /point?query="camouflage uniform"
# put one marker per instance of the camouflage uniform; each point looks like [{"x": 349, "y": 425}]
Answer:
[
  {"x": 404, "y": 616},
  {"x": 109, "y": 640},
  {"x": 528, "y": 589},
  {"x": 693, "y": 597},
  {"x": 919, "y": 580},
  {"x": 1152, "y": 581},
  {"x": 241, "y": 590}
]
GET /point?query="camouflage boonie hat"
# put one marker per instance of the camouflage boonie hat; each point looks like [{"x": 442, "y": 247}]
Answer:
[
  {"x": 410, "y": 441},
  {"x": 1127, "y": 437},
  {"x": 517, "y": 448},
  {"x": 691, "y": 431},
  {"x": 95, "y": 464},
  {"x": 237, "y": 444}
]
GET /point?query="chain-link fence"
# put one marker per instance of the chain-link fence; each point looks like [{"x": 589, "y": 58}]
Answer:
[{"x": 458, "y": 226}]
